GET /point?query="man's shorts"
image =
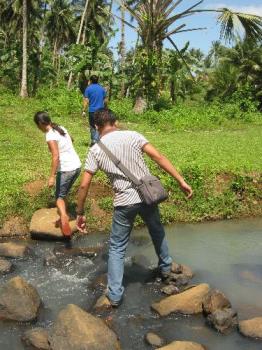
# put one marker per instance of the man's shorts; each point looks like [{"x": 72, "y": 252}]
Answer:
[{"x": 64, "y": 182}]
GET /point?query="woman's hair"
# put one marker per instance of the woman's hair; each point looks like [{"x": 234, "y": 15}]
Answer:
[
  {"x": 104, "y": 116},
  {"x": 44, "y": 119}
]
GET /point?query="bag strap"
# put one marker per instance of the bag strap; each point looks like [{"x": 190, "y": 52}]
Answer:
[{"x": 119, "y": 164}]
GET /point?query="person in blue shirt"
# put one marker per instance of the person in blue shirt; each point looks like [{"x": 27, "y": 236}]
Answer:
[{"x": 94, "y": 99}]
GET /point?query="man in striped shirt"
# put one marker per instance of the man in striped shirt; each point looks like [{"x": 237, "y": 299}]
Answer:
[{"x": 128, "y": 147}]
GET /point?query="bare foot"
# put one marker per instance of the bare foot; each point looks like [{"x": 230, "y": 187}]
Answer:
[{"x": 65, "y": 227}]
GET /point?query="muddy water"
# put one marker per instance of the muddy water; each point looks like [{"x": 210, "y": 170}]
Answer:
[{"x": 227, "y": 255}]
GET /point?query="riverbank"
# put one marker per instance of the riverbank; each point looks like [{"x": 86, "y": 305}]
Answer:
[{"x": 219, "y": 157}]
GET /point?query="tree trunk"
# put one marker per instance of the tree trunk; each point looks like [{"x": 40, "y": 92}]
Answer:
[
  {"x": 78, "y": 38},
  {"x": 172, "y": 91},
  {"x": 24, "y": 91},
  {"x": 133, "y": 62},
  {"x": 123, "y": 50},
  {"x": 55, "y": 53}
]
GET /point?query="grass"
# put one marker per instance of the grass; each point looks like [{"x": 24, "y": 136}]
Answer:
[{"x": 219, "y": 157}]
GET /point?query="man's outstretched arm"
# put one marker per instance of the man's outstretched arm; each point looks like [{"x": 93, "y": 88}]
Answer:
[{"x": 166, "y": 165}]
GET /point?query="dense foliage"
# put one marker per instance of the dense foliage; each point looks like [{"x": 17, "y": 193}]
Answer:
[{"x": 49, "y": 43}]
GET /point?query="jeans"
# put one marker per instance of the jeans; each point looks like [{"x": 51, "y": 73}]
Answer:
[
  {"x": 94, "y": 133},
  {"x": 123, "y": 220}
]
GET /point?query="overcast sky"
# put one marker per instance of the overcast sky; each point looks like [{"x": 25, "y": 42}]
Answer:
[{"x": 200, "y": 39}]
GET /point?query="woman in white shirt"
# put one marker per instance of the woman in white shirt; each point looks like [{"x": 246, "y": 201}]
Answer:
[{"x": 65, "y": 166}]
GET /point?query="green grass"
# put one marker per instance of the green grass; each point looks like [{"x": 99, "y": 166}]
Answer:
[{"x": 219, "y": 157}]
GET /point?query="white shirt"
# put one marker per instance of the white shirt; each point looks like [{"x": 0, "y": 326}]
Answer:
[
  {"x": 127, "y": 147},
  {"x": 68, "y": 157}
]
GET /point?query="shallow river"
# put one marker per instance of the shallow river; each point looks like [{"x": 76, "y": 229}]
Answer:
[{"x": 227, "y": 255}]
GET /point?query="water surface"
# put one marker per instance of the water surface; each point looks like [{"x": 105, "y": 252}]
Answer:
[{"x": 226, "y": 254}]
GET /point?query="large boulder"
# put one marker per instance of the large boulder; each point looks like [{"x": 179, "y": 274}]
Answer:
[
  {"x": 43, "y": 225},
  {"x": 19, "y": 301},
  {"x": 188, "y": 302},
  {"x": 215, "y": 300},
  {"x": 251, "y": 328},
  {"x": 36, "y": 338},
  {"x": 14, "y": 250},
  {"x": 5, "y": 266},
  {"x": 75, "y": 329},
  {"x": 183, "y": 345},
  {"x": 223, "y": 320}
]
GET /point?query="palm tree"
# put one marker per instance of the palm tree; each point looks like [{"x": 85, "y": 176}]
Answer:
[
  {"x": 122, "y": 49},
  {"x": 24, "y": 91},
  {"x": 157, "y": 20},
  {"x": 59, "y": 26}
]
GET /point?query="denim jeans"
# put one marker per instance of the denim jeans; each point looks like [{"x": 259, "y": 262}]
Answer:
[
  {"x": 94, "y": 133},
  {"x": 122, "y": 225}
]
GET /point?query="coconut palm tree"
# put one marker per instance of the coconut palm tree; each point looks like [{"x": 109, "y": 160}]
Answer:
[
  {"x": 157, "y": 21},
  {"x": 59, "y": 26}
]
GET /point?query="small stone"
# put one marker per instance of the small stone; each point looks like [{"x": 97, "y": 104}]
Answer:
[
  {"x": 14, "y": 250},
  {"x": 102, "y": 303},
  {"x": 183, "y": 345},
  {"x": 170, "y": 289},
  {"x": 5, "y": 266},
  {"x": 182, "y": 269},
  {"x": 154, "y": 339},
  {"x": 177, "y": 279},
  {"x": 215, "y": 300},
  {"x": 100, "y": 282},
  {"x": 223, "y": 320},
  {"x": 251, "y": 328},
  {"x": 37, "y": 337}
]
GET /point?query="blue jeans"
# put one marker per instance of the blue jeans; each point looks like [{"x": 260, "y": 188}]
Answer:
[
  {"x": 94, "y": 133},
  {"x": 122, "y": 225}
]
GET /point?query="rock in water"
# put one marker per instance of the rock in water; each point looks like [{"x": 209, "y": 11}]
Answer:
[
  {"x": 37, "y": 337},
  {"x": 154, "y": 339},
  {"x": 188, "y": 302},
  {"x": 183, "y": 345},
  {"x": 215, "y": 300},
  {"x": 251, "y": 328},
  {"x": 19, "y": 301},
  {"x": 75, "y": 329},
  {"x": 5, "y": 266},
  {"x": 223, "y": 320},
  {"x": 42, "y": 225},
  {"x": 102, "y": 303},
  {"x": 13, "y": 250}
]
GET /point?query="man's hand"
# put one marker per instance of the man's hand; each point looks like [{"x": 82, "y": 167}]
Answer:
[
  {"x": 51, "y": 181},
  {"x": 81, "y": 223},
  {"x": 186, "y": 189},
  {"x": 83, "y": 113}
]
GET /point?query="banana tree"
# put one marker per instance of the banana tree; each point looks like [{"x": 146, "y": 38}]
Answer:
[{"x": 159, "y": 20}]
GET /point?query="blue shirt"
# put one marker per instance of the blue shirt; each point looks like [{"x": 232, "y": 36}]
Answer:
[{"x": 95, "y": 94}]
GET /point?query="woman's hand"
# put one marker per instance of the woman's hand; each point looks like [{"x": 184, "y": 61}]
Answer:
[
  {"x": 81, "y": 223},
  {"x": 51, "y": 181}
]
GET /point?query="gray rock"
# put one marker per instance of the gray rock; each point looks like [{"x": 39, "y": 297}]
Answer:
[
  {"x": 36, "y": 338},
  {"x": 19, "y": 301},
  {"x": 154, "y": 339},
  {"x": 188, "y": 302},
  {"x": 5, "y": 266},
  {"x": 251, "y": 328},
  {"x": 183, "y": 345},
  {"x": 75, "y": 329},
  {"x": 215, "y": 300},
  {"x": 223, "y": 320},
  {"x": 14, "y": 250}
]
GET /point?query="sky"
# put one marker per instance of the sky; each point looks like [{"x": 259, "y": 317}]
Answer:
[{"x": 199, "y": 39}]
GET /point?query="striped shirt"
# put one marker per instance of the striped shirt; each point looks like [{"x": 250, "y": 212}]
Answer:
[{"x": 127, "y": 147}]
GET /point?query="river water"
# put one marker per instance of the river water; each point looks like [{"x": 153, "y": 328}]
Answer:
[{"x": 225, "y": 254}]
